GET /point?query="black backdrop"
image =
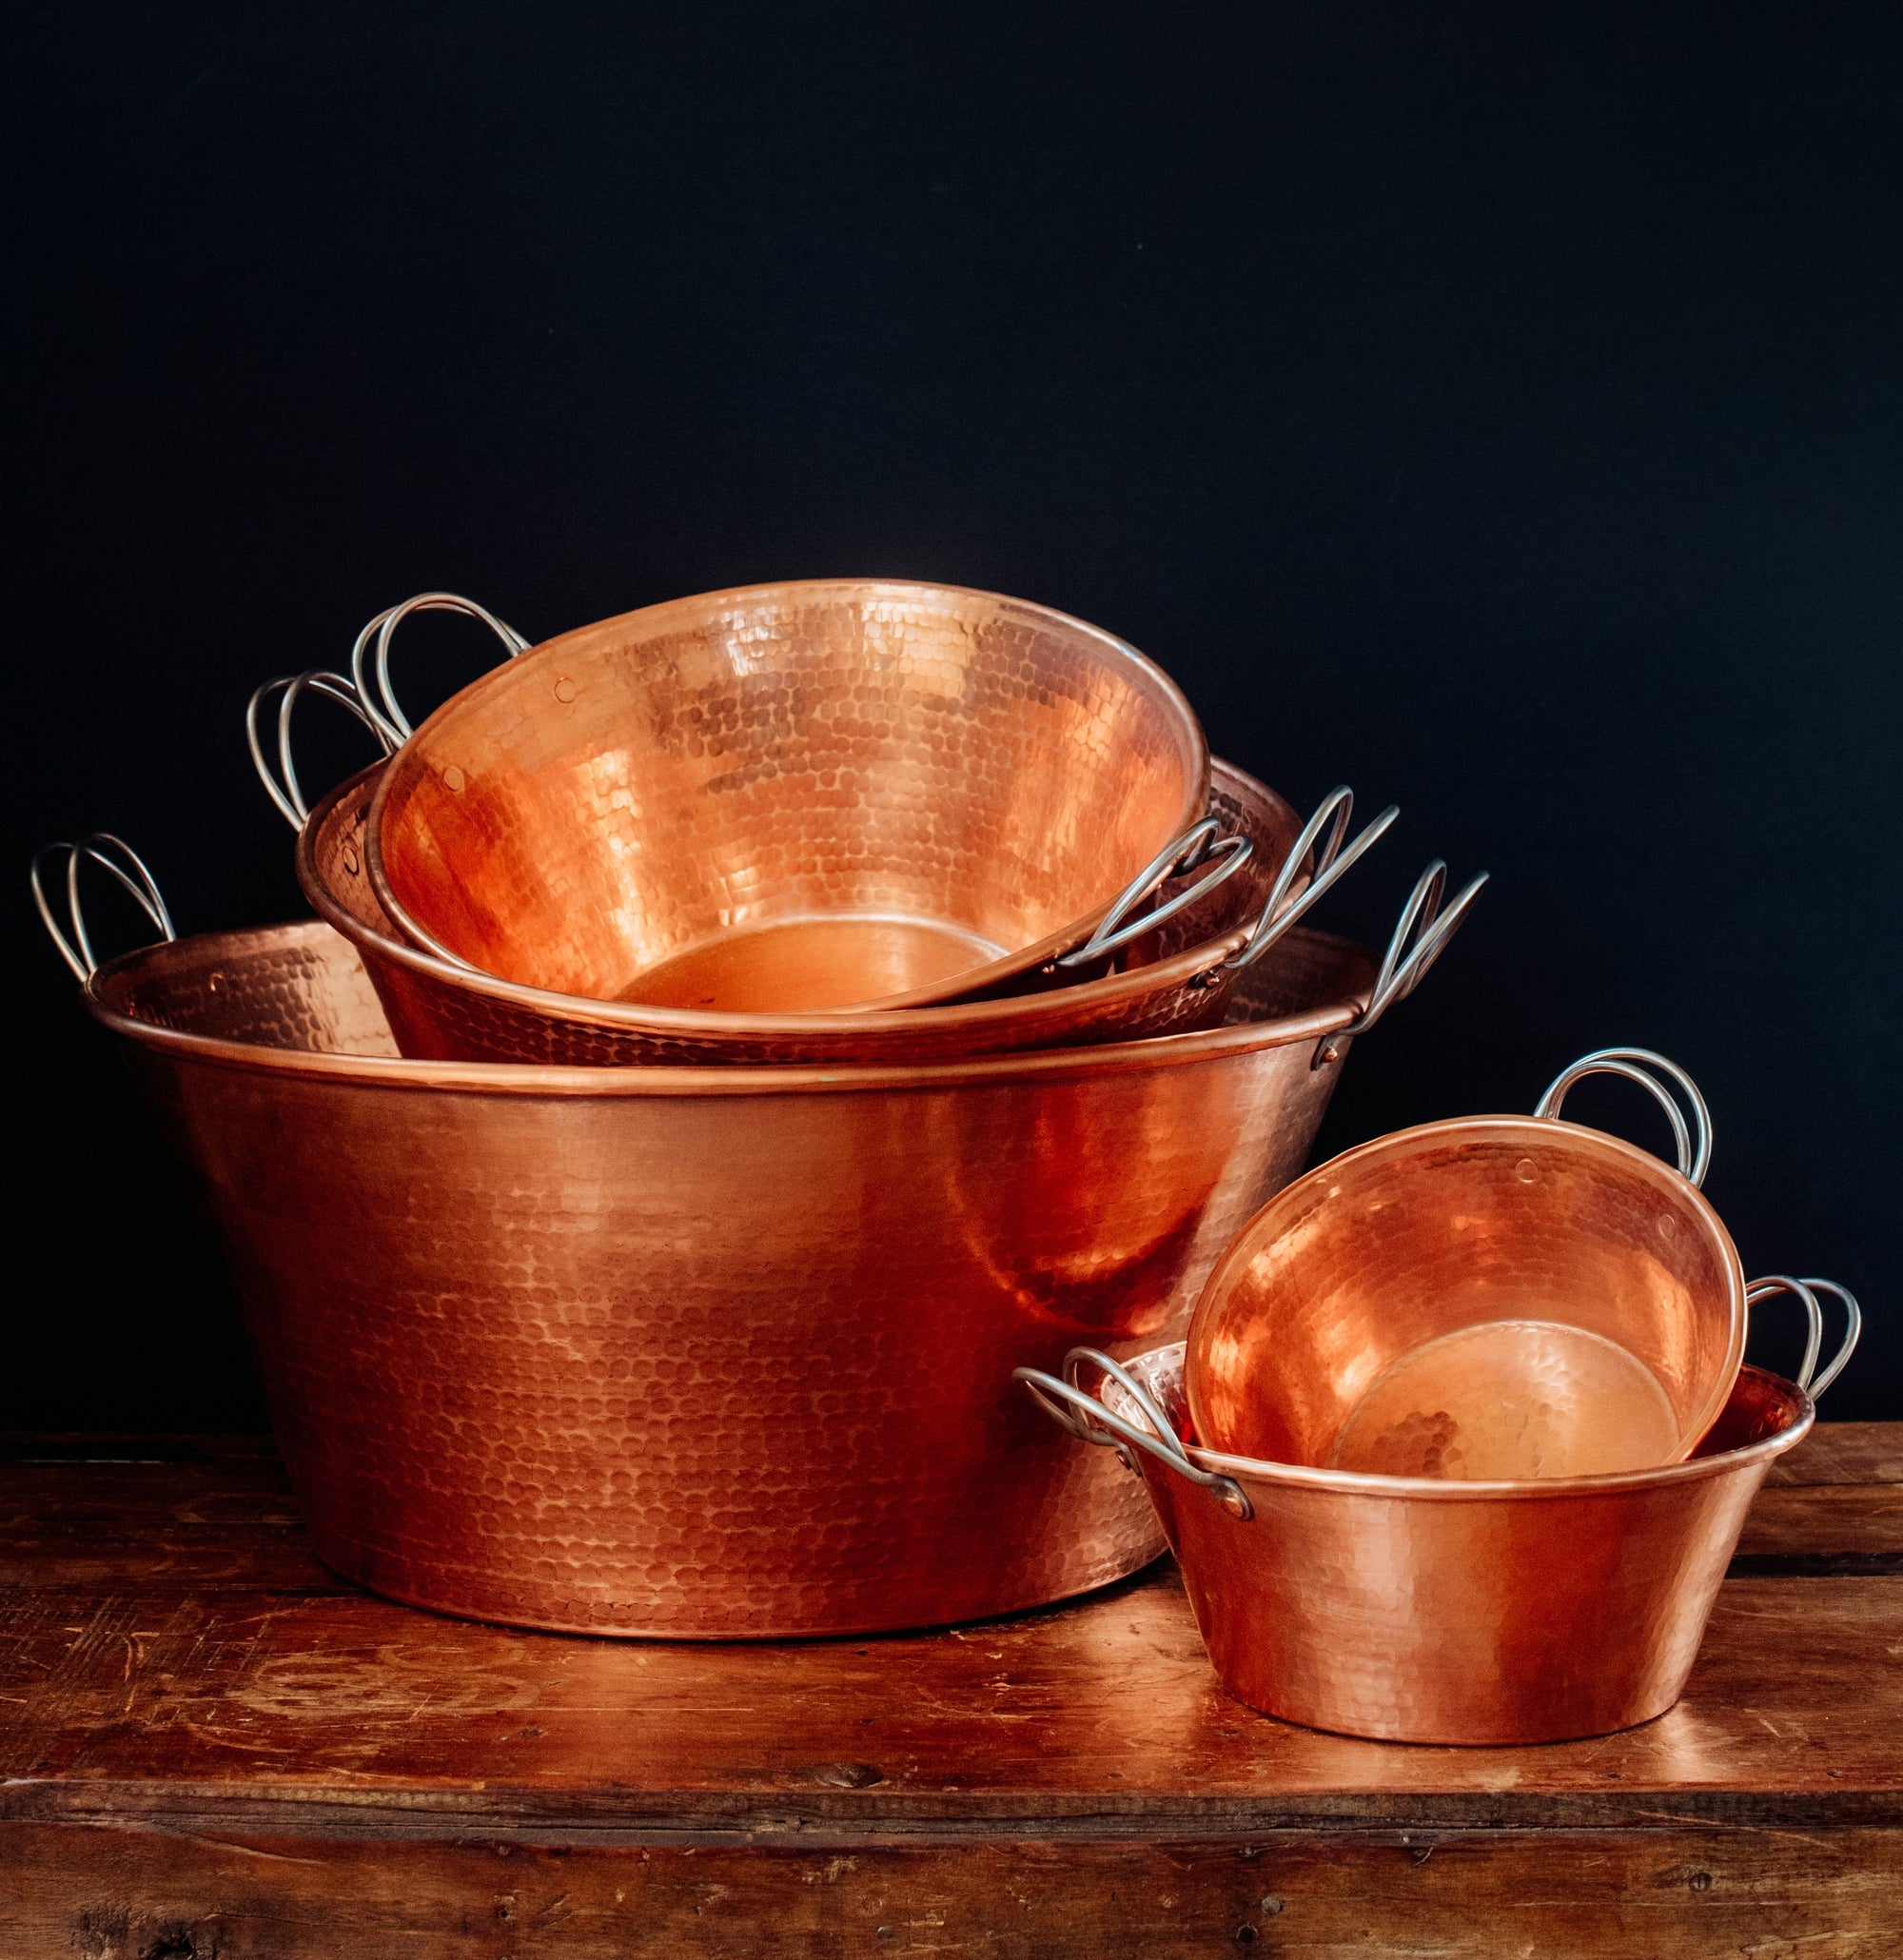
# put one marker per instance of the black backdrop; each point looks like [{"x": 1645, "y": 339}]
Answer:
[{"x": 1497, "y": 408}]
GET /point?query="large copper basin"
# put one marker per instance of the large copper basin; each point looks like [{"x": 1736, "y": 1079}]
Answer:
[
  {"x": 716, "y": 1352},
  {"x": 787, "y": 797}
]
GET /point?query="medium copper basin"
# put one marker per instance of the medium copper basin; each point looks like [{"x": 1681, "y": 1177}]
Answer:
[
  {"x": 1177, "y": 979},
  {"x": 783, "y": 798},
  {"x": 1412, "y": 1610}
]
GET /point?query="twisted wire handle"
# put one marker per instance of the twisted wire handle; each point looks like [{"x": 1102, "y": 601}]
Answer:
[
  {"x": 115, "y": 855},
  {"x": 1279, "y": 913},
  {"x": 1085, "y": 1415},
  {"x": 1420, "y": 937},
  {"x": 1805, "y": 1291}
]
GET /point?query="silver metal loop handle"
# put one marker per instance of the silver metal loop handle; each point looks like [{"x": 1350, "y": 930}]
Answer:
[
  {"x": 1805, "y": 1291},
  {"x": 1085, "y": 1417},
  {"x": 1644, "y": 1068},
  {"x": 1420, "y": 937},
  {"x": 1279, "y": 911},
  {"x": 117, "y": 856},
  {"x": 1200, "y": 844},
  {"x": 282, "y": 786},
  {"x": 386, "y": 716}
]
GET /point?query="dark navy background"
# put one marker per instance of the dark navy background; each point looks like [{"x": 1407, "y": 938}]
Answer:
[{"x": 1498, "y": 409}]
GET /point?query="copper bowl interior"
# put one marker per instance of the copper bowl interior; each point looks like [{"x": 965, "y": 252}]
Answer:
[
  {"x": 1762, "y": 1405},
  {"x": 302, "y": 989},
  {"x": 1492, "y": 1298},
  {"x": 789, "y": 797}
]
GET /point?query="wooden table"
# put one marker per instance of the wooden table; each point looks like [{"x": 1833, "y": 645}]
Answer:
[{"x": 209, "y": 1746}]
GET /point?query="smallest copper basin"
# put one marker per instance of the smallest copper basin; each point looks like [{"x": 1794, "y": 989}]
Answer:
[{"x": 1498, "y": 1297}]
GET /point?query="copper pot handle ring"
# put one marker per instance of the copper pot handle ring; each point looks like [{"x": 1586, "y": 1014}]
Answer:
[
  {"x": 1083, "y": 1416},
  {"x": 1805, "y": 1291},
  {"x": 1420, "y": 937},
  {"x": 386, "y": 714},
  {"x": 283, "y": 786},
  {"x": 117, "y": 856},
  {"x": 1200, "y": 844},
  {"x": 1279, "y": 911},
  {"x": 1644, "y": 1067}
]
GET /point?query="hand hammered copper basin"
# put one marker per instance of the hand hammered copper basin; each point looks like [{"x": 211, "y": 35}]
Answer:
[
  {"x": 716, "y": 1352},
  {"x": 1175, "y": 980},
  {"x": 787, "y": 797}
]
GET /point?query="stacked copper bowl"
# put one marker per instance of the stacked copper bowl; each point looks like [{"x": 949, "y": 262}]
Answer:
[
  {"x": 1468, "y": 1415},
  {"x": 733, "y": 1038}
]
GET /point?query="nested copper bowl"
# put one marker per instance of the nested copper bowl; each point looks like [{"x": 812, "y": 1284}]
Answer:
[
  {"x": 788, "y": 797},
  {"x": 706, "y": 1353},
  {"x": 1175, "y": 979},
  {"x": 1412, "y": 1610},
  {"x": 1495, "y": 1297}
]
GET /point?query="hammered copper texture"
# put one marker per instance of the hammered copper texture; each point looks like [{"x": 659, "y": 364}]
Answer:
[
  {"x": 1179, "y": 983},
  {"x": 637, "y": 788},
  {"x": 1415, "y": 1611},
  {"x": 705, "y": 1352},
  {"x": 1391, "y": 1246}
]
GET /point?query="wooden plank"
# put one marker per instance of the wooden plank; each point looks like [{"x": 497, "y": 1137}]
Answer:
[
  {"x": 92, "y": 1514},
  {"x": 1844, "y": 1453},
  {"x": 1105, "y": 1711},
  {"x": 1824, "y": 1528},
  {"x": 121, "y": 1894},
  {"x": 210, "y": 1747}
]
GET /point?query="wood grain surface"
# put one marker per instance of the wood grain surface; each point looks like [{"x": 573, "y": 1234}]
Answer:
[{"x": 209, "y": 1746}]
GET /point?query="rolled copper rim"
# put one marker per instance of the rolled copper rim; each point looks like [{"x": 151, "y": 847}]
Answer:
[
  {"x": 1360, "y": 1484},
  {"x": 527, "y": 1079},
  {"x": 1146, "y": 677}
]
